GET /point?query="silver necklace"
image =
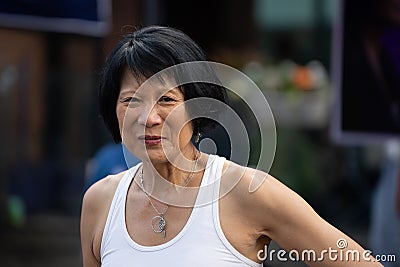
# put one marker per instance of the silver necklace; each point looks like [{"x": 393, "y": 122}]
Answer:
[{"x": 158, "y": 222}]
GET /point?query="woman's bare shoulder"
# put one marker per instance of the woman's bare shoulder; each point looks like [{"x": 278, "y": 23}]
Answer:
[
  {"x": 242, "y": 179},
  {"x": 265, "y": 199},
  {"x": 95, "y": 206},
  {"x": 253, "y": 189},
  {"x": 102, "y": 191}
]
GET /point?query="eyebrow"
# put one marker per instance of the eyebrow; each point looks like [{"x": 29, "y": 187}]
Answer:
[
  {"x": 124, "y": 91},
  {"x": 173, "y": 90},
  {"x": 127, "y": 92}
]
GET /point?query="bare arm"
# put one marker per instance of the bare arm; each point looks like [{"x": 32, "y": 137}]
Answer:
[
  {"x": 95, "y": 207},
  {"x": 88, "y": 226}
]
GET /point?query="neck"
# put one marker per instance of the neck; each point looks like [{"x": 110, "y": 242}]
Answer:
[
  {"x": 175, "y": 183},
  {"x": 175, "y": 170},
  {"x": 171, "y": 190}
]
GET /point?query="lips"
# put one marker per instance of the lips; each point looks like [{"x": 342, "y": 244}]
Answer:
[{"x": 151, "y": 139}]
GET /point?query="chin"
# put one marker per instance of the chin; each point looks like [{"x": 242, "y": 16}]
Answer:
[{"x": 155, "y": 156}]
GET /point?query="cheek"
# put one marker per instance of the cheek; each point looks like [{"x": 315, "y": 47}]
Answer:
[
  {"x": 186, "y": 132},
  {"x": 178, "y": 122},
  {"x": 120, "y": 111}
]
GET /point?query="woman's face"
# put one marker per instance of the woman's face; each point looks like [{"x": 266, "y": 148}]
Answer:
[{"x": 153, "y": 120}]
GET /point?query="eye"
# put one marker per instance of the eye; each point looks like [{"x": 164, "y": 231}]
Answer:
[
  {"x": 166, "y": 99},
  {"x": 131, "y": 101}
]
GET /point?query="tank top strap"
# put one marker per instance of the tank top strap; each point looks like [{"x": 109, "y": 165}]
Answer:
[
  {"x": 216, "y": 175},
  {"x": 211, "y": 178}
]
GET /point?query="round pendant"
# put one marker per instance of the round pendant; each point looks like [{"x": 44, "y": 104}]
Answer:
[{"x": 158, "y": 224}]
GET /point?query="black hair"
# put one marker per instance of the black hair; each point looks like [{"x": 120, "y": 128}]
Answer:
[{"x": 145, "y": 52}]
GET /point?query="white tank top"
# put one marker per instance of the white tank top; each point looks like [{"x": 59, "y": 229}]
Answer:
[{"x": 201, "y": 242}]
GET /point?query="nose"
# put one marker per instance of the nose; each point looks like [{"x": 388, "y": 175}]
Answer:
[{"x": 149, "y": 118}]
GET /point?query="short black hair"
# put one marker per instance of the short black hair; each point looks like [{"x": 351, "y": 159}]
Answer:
[{"x": 145, "y": 52}]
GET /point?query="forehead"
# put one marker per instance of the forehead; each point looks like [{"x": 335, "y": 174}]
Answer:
[{"x": 156, "y": 84}]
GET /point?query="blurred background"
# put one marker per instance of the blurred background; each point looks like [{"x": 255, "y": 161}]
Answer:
[{"x": 51, "y": 137}]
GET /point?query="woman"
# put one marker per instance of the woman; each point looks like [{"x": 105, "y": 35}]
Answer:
[{"x": 126, "y": 223}]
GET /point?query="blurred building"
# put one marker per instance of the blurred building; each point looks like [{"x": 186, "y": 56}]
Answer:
[{"x": 52, "y": 53}]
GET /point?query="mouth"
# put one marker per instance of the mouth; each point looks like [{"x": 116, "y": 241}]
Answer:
[{"x": 151, "y": 139}]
